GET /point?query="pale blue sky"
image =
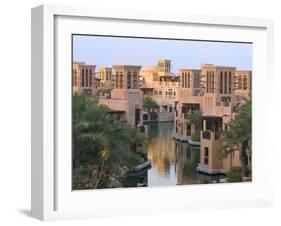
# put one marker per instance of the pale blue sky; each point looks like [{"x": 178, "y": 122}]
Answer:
[{"x": 106, "y": 51}]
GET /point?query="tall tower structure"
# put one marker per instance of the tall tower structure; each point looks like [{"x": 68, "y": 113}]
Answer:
[{"x": 164, "y": 67}]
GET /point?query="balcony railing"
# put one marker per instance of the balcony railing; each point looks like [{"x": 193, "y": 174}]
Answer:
[
  {"x": 207, "y": 134},
  {"x": 226, "y": 104},
  {"x": 217, "y": 135}
]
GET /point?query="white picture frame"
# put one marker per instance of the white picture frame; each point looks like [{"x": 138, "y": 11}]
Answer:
[{"x": 51, "y": 197}]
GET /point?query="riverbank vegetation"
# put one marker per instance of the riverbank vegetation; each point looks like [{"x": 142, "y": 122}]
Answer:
[
  {"x": 103, "y": 148},
  {"x": 151, "y": 107},
  {"x": 195, "y": 118},
  {"x": 238, "y": 136}
]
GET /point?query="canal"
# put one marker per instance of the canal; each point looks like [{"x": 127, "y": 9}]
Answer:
[{"x": 172, "y": 162}]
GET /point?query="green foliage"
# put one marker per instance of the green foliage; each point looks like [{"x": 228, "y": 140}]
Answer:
[
  {"x": 102, "y": 145},
  {"x": 102, "y": 91},
  {"x": 149, "y": 104},
  {"x": 238, "y": 136},
  {"x": 234, "y": 174},
  {"x": 195, "y": 118},
  {"x": 153, "y": 115},
  {"x": 196, "y": 136}
]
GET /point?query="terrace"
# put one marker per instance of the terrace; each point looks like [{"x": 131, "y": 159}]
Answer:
[{"x": 212, "y": 127}]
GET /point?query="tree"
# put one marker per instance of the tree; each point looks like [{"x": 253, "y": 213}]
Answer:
[
  {"x": 195, "y": 117},
  {"x": 101, "y": 145},
  {"x": 149, "y": 104},
  {"x": 238, "y": 136}
]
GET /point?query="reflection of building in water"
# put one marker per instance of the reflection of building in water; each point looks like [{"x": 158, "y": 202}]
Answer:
[
  {"x": 161, "y": 149},
  {"x": 187, "y": 161}
]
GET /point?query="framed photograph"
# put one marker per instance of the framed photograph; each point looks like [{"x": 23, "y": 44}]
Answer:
[{"x": 138, "y": 112}]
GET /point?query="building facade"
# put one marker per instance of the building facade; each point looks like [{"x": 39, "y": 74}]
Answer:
[
  {"x": 162, "y": 85},
  {"x": 83, "y": 78},
  {"x": 126, "y": 95},
  {"x": 214, "y": 92},
  {"x": 216, "y": 99},
  {"x": 105, "y": 78}
]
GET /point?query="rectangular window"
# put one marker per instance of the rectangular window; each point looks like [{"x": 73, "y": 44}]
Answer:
[
  {"x": 221, "y": 82},
  {"x": 208, "y": 82},
  {"x": 87, "y": 84},
  {"x": 225, "y": 82},
  {"x": 230, "y": 84},
  {"x": 90, "y": 77},
  {"x": 206, "y": 155},
  {"x": 83, "y": 78}
]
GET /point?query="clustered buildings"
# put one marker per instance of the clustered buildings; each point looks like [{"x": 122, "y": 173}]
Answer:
[{"x": 215, "y": 91}]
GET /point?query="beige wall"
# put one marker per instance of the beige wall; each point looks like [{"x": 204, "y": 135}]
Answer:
[
  {"x": 125, "y": 100},
  {"x": 83, "y": 78}
]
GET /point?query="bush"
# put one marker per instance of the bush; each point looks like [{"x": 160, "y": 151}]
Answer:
[
  {"x": 153, "y": 115},
  {"x": 195, "y": 136},
  {"x": 234, "y": 174}
]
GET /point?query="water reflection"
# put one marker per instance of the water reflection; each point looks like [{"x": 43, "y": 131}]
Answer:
[{"x": 172, "y": 162}]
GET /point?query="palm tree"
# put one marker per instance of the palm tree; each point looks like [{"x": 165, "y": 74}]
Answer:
[
  {"x": 101, "y": 142},
  {"x": 149, "y": 104},
  {"x": 195, "y": 118},
  {"x": 238, "y": 136}
]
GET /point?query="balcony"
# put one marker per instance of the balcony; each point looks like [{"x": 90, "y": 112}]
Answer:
[
  {"x": 226, "y": 104},
  {"x": 186, "y": 115},
  {"x": 209, "y": 135},
  {"x": 217, "y": 135},
  {"x": 206, "y": 134}
]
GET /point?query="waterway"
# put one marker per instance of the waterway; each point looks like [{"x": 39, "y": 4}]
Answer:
[{"x": 172, "y": 162}]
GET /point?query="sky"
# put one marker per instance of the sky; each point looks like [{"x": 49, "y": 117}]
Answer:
[{"x": 107, "y": 51}]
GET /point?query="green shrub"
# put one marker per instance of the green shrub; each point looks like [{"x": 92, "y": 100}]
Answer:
[
  {"x": 234, "y": 174},
  {"x": 153, "y": 115},
  {"x": 195, "y": 136}
]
